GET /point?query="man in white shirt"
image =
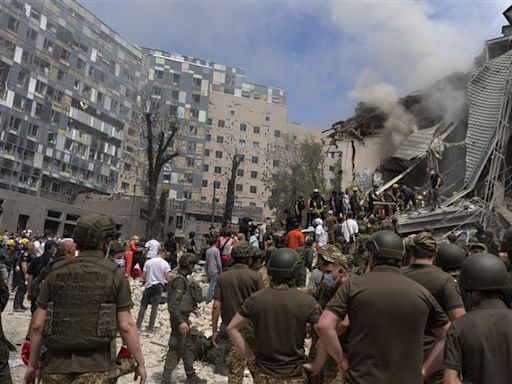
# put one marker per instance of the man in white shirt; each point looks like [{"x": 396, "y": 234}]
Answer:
[
  {"x": 320, "y": 233},
  {"x": 152, "y": 246},
  {"x": 156, "y": 273},
  {"x": 350, "y": 229}
]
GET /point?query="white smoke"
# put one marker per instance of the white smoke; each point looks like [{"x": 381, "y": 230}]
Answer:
[{"x": 405, "y": 46}]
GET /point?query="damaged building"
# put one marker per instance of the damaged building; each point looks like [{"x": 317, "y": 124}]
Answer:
[{"x": 460, "y": 126}]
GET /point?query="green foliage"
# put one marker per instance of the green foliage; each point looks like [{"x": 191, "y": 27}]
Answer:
[{"x": 300, "y": 170}]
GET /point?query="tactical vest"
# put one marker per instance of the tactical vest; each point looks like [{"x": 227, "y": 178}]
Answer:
[
  {"x": 191, "y": 297},
  {"x": 82, "y": 312}
]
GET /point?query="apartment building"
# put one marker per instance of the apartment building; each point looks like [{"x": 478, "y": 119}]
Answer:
[{"x": 70, "y": 94}]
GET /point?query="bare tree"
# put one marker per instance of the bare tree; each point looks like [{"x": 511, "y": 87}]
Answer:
[
  {"x": 160, "y": 132},
  {"x": 236, "y": 159}
]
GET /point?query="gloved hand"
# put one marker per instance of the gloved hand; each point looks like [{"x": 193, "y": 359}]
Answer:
[{"x": 25, "y": 352}]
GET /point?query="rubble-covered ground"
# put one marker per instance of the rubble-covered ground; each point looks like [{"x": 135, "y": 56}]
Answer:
[{"x": 154, "y": 345}]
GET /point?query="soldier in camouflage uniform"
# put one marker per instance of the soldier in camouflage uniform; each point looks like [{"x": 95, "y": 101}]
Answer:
[
  {"x": 280, "y": 315},
  {"x": 258, "y": 266},
  {"x": 182, "y": 298},
  {"x": 81, "y": 306},
  {"x": 336, "y": 271}
]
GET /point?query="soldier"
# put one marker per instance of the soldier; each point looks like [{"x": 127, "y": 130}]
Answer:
[
  {"x": 259, "y": 266},
  {"x": 85, "y": 301},
  {"x": 335, "y": 268},
  {"x": 233, "y": 287},
  {"x": 478, "y": 344},
  {"x": 388, "y": 313},
  {"x": 182, "y": 298},
  {"x": 440, "y": 284},
  {"x": 307, "y": 254},
  {"x": 279, "y": 315},
  {"x": 5, "y": 372}
]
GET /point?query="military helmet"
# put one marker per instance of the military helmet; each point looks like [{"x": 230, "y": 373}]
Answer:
[
  {"x": 449, "y": 256},
  {"x": 283, "y": 262},
  {"x": 484, "y": 272},
  {"x": 309, "y": 240},
  {"x": 506, "y": 241},
  {"x": 116, "y": 247},
  {"x": 425, "y": 240},
  {"x": 332, "y": 254},
  {"x": 363, "y": 228},
  {"x": 242, "y": 250},
  {"x": 91, "y": 230},
  {"x": 386, "y": 244},
  {"x": 187, "y": 258}
]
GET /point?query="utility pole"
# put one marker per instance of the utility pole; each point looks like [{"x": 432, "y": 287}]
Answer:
[{"x": 214, "y": 196}]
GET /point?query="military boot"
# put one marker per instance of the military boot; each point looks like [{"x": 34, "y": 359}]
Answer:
[{"x": 194, "y": 379}]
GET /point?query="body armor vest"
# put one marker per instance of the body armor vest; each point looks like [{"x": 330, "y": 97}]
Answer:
[
  {"x": 191, "y": 297},
  {"x": 82, "y": 311}
]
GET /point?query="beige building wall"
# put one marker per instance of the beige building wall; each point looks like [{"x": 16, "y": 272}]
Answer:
[{"x": 251, "y": 128}]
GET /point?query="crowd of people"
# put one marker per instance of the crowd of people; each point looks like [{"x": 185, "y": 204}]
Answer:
[{"x": 374, "y": 306}]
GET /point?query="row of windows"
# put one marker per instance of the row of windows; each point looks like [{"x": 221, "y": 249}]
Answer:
[
  {"x": 222, "y": 123},
  {"x": 219, "y": 154},
  {"x": 238, "y": 187}
]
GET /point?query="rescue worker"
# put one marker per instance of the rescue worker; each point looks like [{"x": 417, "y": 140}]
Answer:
[
  {"x": 316, "y": 205},
  {"x": 233, "y": 287},
  {"x": 7, "y": 259},
  {"x": 355, "y": 202},
  {"x": 294, "y": 238},
  {"x": 373, "y": 197},
  {"x": 478, "y": 344},
  {"x": 388, "y": 313},
  {"x": 183, "y": 296},
  {"x": 87, "y": 300},
  {"x": 5, "y": 372},
  {"x": 440, "y": 284},
  {"x": 299, "y": 206},
  {"x": 435, "y": 183},
  {"x": 20, "y": 278},
  {"x": 280, "y": 315}
]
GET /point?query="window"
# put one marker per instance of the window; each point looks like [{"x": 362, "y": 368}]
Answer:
[
  {"x": 194, "y": 112},
  {"x": 218, "y": 154},
  {"x": 254, "y": 159},
  {"x": 187, "y": 195},
  {"x": 125, "y": 187},
  {"x": 252, "y": 204},
  {"x": 220, "y": 139},
  {"x": 240, "y": 172},
  {"x": 242, "y": 143},
  {"x": 232, "y": 112},
  {"x": 204, "y": 183},
  {"x": 239, "y": 187},
  {"x": 221, "y": 123},
  {"x": 175, "y": 95},
  {"x": 64, "y": 55},
  {"x": 22, "y": 79},
  {"x": 216, "y": 184},
  {"x": 19, "y": 102},
  {"x": 15, "y": 123},
  {"x": 35, "y": 15},
  {"x": 159, "y": 74},
  {"x": 217, "y": 169},
  {"x": 13, "y": 24},
  {"x": 61, "y": 75},
  {"x": 206, "y": 168},
  {"x": 191, "y": 146},
  {"x": 48, "y": 45},
  {"x": 255, "y": 145},
  {"x": 55, "y": 117},
  {"x": 275, "y": 163},
  {"x": 208, "y": 137},
  {"x": 267, "y": 118},
  {"x": 176, "y": 78},
  {"x": 33, "y": 129},
  {"x": 254, "y": 174},
  {"x": 190, "y": 161},
  {"x": 206, "y": 152},
  {"x": 197, "y": 82},
  {"x": 51, "y": 139},
  {"x": 256, "y": 130},
  {"x": 179, "y": 222},
  {"x": 31, "y": 34},
  {"x": 196, "y": 98},
  {"x": 253, "y": 189},
  {"x": 243, "y": 127},
  {"x": 209, "y": 121},
  {"x": 157, "y": 91},
  {"x": 277, "y": 133}
]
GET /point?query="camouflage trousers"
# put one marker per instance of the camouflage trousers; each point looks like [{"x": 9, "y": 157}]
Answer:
[
  {"x": 235, "y": 362},
  {"x": 5, "y": 372},
  {"x": 76, "y": 378},
  {"x": 261, "y": 378},
  {"x": 180, "y": 348}
]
